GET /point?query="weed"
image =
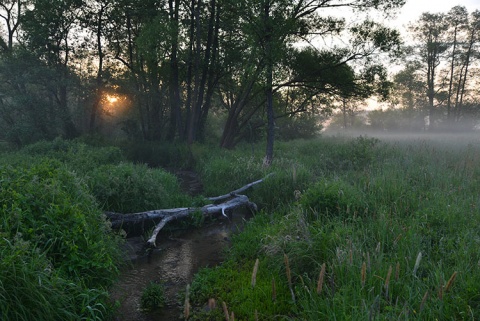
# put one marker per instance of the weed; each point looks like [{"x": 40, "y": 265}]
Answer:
[{"x": 153, "y": 297}]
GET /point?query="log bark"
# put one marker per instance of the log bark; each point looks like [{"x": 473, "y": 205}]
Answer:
[{"x": 134, "y": 223}]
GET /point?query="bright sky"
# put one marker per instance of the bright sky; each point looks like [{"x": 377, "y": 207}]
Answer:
[{"x": 412, "y": 10}]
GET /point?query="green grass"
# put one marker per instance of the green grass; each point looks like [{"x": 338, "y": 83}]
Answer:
[
  {"x": 363, "y": 202},
  {"x": 362, "y": 207}
]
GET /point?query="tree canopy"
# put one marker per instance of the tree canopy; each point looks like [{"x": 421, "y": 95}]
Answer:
[{"x": 177, "y": 66}]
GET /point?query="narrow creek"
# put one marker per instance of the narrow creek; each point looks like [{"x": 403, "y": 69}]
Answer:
[{"x": 178, "y": 256}]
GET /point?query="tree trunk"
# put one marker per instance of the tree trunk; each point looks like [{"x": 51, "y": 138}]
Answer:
[
  {"x": 450, "y": 84},
  {"x": 99, "y": 80},
  {"x": 194, "y": 112},
  {"x": 269, "y": 86},
  {"x": 174, "y": 86}
]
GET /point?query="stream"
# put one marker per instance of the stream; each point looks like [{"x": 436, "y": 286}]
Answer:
[{"x": 178, "y": 256}]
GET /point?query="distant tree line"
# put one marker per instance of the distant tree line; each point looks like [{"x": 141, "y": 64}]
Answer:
[
  {"x": 437, "y": 87},
  {"x": 253, "y": 64}
]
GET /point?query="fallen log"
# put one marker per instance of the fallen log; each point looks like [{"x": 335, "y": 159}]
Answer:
[{"x": 143, "y": 221}]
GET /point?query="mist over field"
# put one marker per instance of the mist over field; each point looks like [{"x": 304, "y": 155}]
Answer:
[{"x": 348, "y": 147}]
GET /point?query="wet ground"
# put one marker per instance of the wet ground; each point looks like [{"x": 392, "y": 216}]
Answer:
[{"x": 179, "y": 255}]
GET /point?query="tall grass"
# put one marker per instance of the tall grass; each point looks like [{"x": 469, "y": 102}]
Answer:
[{"x": 392, "y": 228}]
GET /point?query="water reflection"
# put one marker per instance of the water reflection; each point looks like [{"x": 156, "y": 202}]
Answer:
[{"x": 179, "y": 256}]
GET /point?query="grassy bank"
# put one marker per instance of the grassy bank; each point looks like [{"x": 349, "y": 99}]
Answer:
[
  {"x": 58, "y": 256},
  {"x": 351, "y": 229}
]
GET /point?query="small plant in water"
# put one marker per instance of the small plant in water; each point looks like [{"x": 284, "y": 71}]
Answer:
[{"x": 152, "y": 297}]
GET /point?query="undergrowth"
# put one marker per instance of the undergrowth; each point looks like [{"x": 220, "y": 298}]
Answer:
[{"x": 369, "y": 231}]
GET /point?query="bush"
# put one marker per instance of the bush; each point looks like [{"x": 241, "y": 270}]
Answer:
[
  {"x": 79, "y": 156},
  {"x": 128, "y": 188},
  {"x": 333, "y": 197},
  {"x": 56, "y": 246},
  {"x": 153, "y": 297}
]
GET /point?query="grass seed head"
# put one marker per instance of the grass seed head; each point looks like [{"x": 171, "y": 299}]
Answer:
[
  {"x": 364, "y": 273},
  {"x": 254, "y": 273},
  {"x": 450, "y": 281},
  {"x": 321, "y": 278},
  {"x": 417, "y": 263}
]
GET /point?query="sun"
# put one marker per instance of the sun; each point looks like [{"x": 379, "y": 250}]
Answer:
[{"x": 111, "y": 99}]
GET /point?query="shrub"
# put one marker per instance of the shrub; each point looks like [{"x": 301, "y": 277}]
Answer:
[
  {"x": 51, "y": 208},
  {"x": 129, "y": 188},
  {"x": 79, "y": 156},
  {"x": 153, "y": 297},
  {"x": 333, "y": 197},
  {"x": 56, "y": 246}
]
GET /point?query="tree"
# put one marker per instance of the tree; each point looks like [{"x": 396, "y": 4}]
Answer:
[
  {"x": 430, "y": 31},
  {"x": 457, "y": 20},
  {"x": 409, "y": 92},
  {"x": 272, "y": 27},
  {"x": 470, "y": 51},
  {"x": 11, "y": 12},
  {"x": 48, "y": 32}
]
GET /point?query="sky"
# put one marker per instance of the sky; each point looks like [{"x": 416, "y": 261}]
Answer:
[{"x": 412, "y": 10}]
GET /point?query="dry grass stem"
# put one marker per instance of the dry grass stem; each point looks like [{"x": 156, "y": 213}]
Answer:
[
  {"x": 232, "y": 317},
  {"x": 450, "y": 281},
  {"x": 424, "y": 299},
  {"x": 212, "y": 304},
  {"x": 440, "y": 291},
  {"x": 254, "y": 273},
  {"x": 397, "y": 271},
  {"x": 387, "y": 281},
  {"x": 289, "y": 276},
  {"x": 364, "y": 273},
  {"x": 225, "y": 311},
  {"x": 256, "y": 315},
  {"x": 321, "y": 278},
  {"x": 417, "y": 263}
]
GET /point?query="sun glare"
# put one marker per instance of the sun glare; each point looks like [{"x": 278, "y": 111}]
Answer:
[{"x": 111, "y": 99}]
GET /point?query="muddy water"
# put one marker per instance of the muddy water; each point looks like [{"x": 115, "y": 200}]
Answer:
[{"x": 178, "y": 257}]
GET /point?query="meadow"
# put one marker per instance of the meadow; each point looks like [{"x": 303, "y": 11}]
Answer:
[
  {"x": 349, "y": 228},
  {"x": 352, "y": 229}
]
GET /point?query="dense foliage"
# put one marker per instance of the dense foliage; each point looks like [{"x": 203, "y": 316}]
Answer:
[
  {"x": 58, "y": 254},
  {"x": 55, "y": 242},
  {"x": 162, "y": 70}
]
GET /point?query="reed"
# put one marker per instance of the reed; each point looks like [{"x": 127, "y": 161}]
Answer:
[
  {"x": 254, "y": 273},
  {"x": 225, "y": 311},
  {"x": 424, "y": 300},
  {"x": 289, "y": 276},
  {"x": 363, "y": 274},
  {"x": 387, "y": 281},
  {"x": 440, "y": 291},
  {"x": 321, "y": 279},
  {"x": 450, "y": 281},
  {"x": 417, "y": 263}
]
